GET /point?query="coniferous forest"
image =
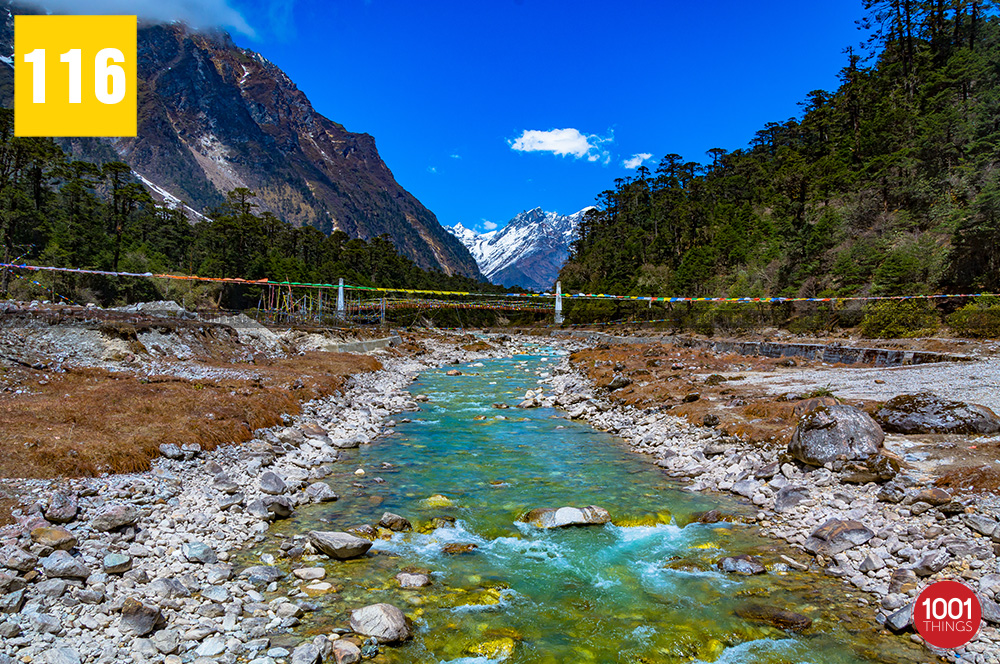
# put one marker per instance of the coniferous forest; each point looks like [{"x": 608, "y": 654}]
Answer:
[{"x": 888, "y": 185}]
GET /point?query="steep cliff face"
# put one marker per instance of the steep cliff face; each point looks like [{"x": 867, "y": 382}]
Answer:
[{"x": 213, "y": 116}]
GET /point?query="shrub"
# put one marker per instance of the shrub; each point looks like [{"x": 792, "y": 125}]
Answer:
[
  {"x": 980, "y": 318},
  {"x": 893, "y": 319}
]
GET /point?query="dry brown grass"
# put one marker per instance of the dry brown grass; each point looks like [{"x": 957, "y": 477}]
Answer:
[{"x": 89, "y": 421}]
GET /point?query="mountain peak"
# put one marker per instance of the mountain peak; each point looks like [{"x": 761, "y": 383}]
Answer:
[{"x": 528, "y": 251}]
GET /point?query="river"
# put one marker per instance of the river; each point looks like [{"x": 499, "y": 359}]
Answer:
[{"x": 645, "y": 588}]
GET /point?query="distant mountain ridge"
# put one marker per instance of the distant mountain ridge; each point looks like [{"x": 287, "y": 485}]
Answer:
[
  {"x": 528, "y": 251},
  {"x": 214, "y": 116}
]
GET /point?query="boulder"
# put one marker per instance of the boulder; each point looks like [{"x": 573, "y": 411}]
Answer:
[
  {"x": 320, "y": 492},
  {"x": 139, "y": 619},
  {"x": 115, "y": 516},
  {"x": 12, "y": 602},
  {"x": 16, "y": 558},
  {"x": 408, "y": 580},
  {"x": 547, "y": 517},
  {"x": 901, "y": 620},
  {"x": 925, "y": 413},
  {"x": 774, "y": 616},
  {"x": 345, "y": 652},
  {"x": 338, "y": 545},
  {"x": 116, "y": 563},
  {"x": 742, "y": 564},
  {"x": 10, "y": 583},
  {"x": 272, "y": 484},
  {"x": 831, "y": 432},
  {"x": 395, "y": 522},
  {"x": 385, "y": 622},
  {"x": 62, "y": 507},
  {"x": 61, "y": 565},
  {"x": 458, "y": 548},
  {"x": 877, "y": 468},
  {"x": 789, "y": 496},
  {"x": 278, "y": 507},
  {"x": 171, "y": 451},
  {"x": 932, "y": 562},
  {"x": 262, "y": 574},
  {"x": 55, "y": 537},
  {"x": 306, "y": 653},
  {"x": 60, "y": 656},
  {"x": 836, "y": 536},
  {"x": 197, "y": 552}
]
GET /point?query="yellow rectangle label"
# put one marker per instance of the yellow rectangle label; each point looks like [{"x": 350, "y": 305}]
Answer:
[{"x": 75, "y": 75}]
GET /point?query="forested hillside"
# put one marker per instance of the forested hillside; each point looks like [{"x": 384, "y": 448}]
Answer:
[
  {"x": 888, "y": 185},
  {"x": 58, "y": 211}
]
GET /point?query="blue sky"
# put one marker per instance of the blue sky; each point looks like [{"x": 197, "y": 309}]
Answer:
[{"x": 449, "y": 88}]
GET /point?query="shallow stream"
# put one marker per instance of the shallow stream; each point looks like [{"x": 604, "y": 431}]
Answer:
[{"x": 645, "y": 588}]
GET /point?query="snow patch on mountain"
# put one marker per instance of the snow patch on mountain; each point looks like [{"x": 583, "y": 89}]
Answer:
[{"x": 528, "y": 251}]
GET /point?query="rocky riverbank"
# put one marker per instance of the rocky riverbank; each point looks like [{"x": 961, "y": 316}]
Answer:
[
  {"x": 887, "y": 537},
  {"x": 140, "y": 567}
]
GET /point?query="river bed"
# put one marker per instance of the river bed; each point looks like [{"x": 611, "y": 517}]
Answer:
[{"x": 645, "y": 588}]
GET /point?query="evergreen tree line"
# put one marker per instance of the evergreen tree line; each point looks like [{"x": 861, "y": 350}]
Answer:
[
  {"x": 67, "y": 213},
  {"x": 888, "y": 185}
]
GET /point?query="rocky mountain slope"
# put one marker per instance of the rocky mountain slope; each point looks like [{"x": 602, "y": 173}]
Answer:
[
  {"x": 529, "y": 251},
  {"x": 214, "y": 116}
]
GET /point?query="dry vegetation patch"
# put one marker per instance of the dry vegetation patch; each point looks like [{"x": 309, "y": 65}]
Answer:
[{"x": 88, "y": 421}]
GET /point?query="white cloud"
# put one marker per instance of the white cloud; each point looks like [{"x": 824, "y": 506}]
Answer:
[
  {"x": 563, "y": 142},
  {"x": 636, "y": 160},
  {"x": 456, "y": 156},
  {"x": 431, "y": 169},
  {"x": 489, "y": 225},
  {"x": 196, "y": 13}
]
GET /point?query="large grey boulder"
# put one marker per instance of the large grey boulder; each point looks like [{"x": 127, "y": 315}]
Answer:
[
  {"x": 61, "y": 565},
  {"x": 198, "y": 552},
  {"x": 272, "y": 484},
  {"x": 836, "y": 536},
  {"x": 338, "y": 545},
  {"x": 831, "y": 432},
  {"x": 62, "y": 507},
  {"x": 139, "y": 619},
  {"x": 385, "y": 622},
  {"x": 115, "y": 516},
  {"x": 925, "y": 413},
  {"x": 16, "y": 558},
  {"x": 306, "y": 653},
  {"x": 547, "y": 517}
]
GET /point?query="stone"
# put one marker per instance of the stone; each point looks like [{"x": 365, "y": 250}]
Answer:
[
  {"x": 547, "y": 517},
  {"x": 926, "y": 413},
  {"x": 345, "y": 652},
  {"x": 211, "y": 647},
  {"x": 115, "y": 516},
  {"x": 385, "y": 622},
  {"x": 309, "y": 573},
  {"x": 338, "y": 545},
  {"x": 16, "y": 558},
  {"x": 62, "y": 507},
  {"x": 12, "y": 602},
  {"x": 742, "y": 564},
  {"x": 44, "y": 623},
  {"x": 51, "y": 588},
  {"x": 227, "y": 500},
  {"x": 835, "y": 431},
  {"x": 891, "y": 493},
  {"x": 408, "y": 580},
  {"x": 116, "y": 563},
  {"x": 902, "y": 580},
  {"x": 289, "y": 610},
  {"x": 320, "y": 492},
  {"x": 617, "y": 382},
  {"x": 306, "y": 653},
  {"x": 932, "y": 496},
  {"x": 219, "y": 573},
  {"x": 272, "y": 484},
  {"x": 171, "y": 451},
  {"x": 262, "y": 574},
  {"x": 458, "y": 548},
  {"x": 216, "y": 594},
  {"x": 877, "y": 468},
  {"x": 991, "y": 611},
  {"x": 139, "y": 619},
  {"x": 279, "y": 507},
  {"x": 60, "y": 656},
  {"x": 774, "y": 616},
  {"x": 836, "y": 536},
  {"x": 932, "y": 562},
  {"x": 900, "y": 620},
  {"x": 223, "y": 483},
  {"x": 9, "y": 629},
  {"x": 197, "y": 552},
  {"x": 789, "y": 496},
  {"x": 168, "y": 588},
  {"x": 395, "y": 522},
  {"x": 11, "y": 583},
  {"x": 871, "y": 564},
  {"x": 55, "y": 537},
  {"x": 64, "y": 566},
  {"x": 981, "y": 524},
  {"x": 453, "y": 372}
]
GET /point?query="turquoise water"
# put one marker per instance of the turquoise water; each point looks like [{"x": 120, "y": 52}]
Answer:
[{"x": 642, "y": 589}]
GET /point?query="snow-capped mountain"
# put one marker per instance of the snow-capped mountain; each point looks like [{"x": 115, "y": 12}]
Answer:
[{"x": 528, "y": 251}]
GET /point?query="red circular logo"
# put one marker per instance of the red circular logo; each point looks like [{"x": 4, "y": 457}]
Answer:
[{"x": 947, "y": 614}]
